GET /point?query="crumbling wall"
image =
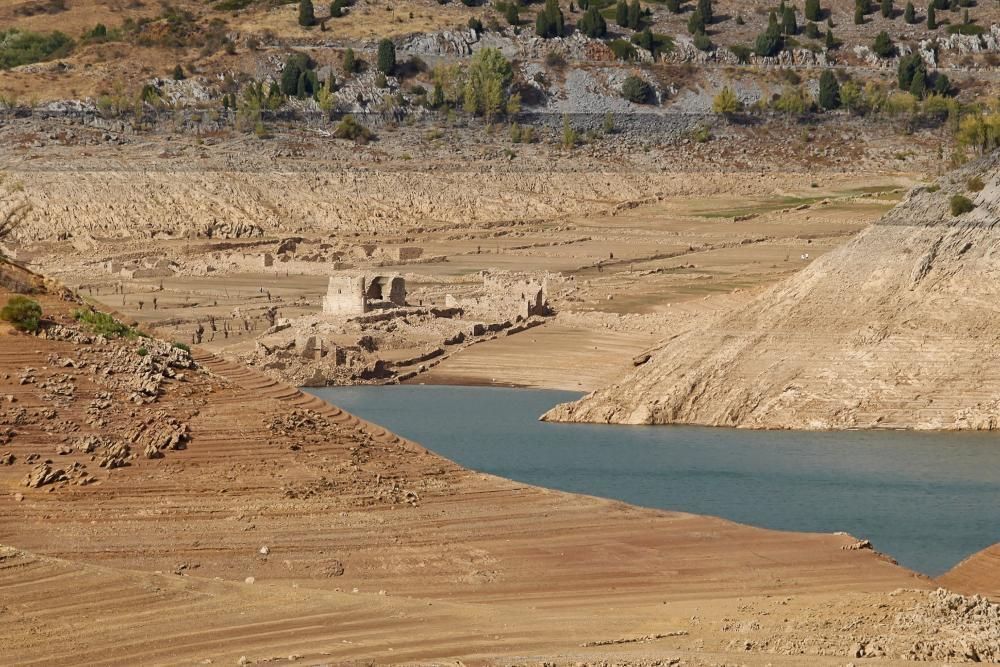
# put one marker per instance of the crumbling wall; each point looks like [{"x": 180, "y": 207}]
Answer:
[
  {"x": 345, "y": 296},
  {"x": 504, "y": 296}
]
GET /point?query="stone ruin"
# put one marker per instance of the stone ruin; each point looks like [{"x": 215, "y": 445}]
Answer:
[
  {"x": 145, "y": 268},
  {"x": 504, "y": 296},
  {"x": 352, "y": 295}
]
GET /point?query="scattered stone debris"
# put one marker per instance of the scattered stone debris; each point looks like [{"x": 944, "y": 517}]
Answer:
[
  {"x": 43, "y": 474},
  {"x": 635, "y": 640},
  {"x": 858, "y": 546}
]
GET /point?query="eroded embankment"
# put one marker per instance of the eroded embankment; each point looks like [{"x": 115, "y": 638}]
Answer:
[{"x": 896, "y": 329}]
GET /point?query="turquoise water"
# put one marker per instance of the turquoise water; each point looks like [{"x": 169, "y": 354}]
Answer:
[{"x": 927, "y": 499}]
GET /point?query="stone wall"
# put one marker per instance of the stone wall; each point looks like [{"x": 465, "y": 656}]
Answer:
[{"x": 345, "y": 296}]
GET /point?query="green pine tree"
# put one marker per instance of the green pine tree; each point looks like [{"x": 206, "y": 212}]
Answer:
[
  {"x": 696, "y": 22},
  {"x": 511, "y": 14},
  {"x": 386, "y": 56},
  {"x": 621, "y": 14},
  {"x": 829, "y": 90},
  {"x": 788, "y": 24},
  {"x": 705, "y": 7},
  {"x": 307, "y": 17},
  {"x": 769, "y": 42},
  {"x": 910, "y": 14},
  {"x": 813, "y": 10},
  {"x": 918, "y": 87},
  {"x": 887, "y": 9},
  {"x": 931, "y": 17},
  {"x": 634, "y": 15}
]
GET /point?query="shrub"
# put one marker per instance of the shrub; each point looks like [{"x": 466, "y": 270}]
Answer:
[
  {"x": 883, "y": 46},
  {"x": 655, "y": 43},
  {"x": 726, "y": 102},
  {"x": 96, "y": 35},
  {"x": 961, "y": 204},
  {"x": 636, "y": 90},
  {"x": 793, "y": 100},
  {"x": 476, "y": 24},
  {"x": 702, "y": 42},
  {"x": 349, "y": 128},
  {"x": 182, "y": 346},
  {"x": 142, "y": 352},
  {"x": 21, "y": 48},
  {"x": 103, "y": 324},
  {"x": 966, "y": 29},
  {"x": 975, "y": 184},
  {"x": 622, "y": 49},
  {"x": 555, "y": 59},
  {"x": 701, "y": 134},
  {"x": 24, "y": 313}
]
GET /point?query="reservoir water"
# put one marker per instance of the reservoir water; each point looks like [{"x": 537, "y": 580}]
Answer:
[{"x": 927, "y": 499}]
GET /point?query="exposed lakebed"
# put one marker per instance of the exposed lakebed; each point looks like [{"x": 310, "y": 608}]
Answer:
[{"x": 927, "y": 499}]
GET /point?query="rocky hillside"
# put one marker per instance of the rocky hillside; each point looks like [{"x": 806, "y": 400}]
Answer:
[{"x": 897, "y": 329}]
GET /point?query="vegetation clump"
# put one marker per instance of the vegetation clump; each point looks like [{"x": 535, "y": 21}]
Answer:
[
  {"x": 550, "y": 22},
  {"x": 975, "y": 184},
  {"x": 23, "y": 313},
  {"x": 104, "y": 324},
  {"x": 19, "y": 47},
  {"x": 726, "y": 102},
  {"x": 350, "y": 128},
  {"x": 961, "y": 204},
  {"x": 770, "y": 42},
  {"x": 637, "y": 90}
]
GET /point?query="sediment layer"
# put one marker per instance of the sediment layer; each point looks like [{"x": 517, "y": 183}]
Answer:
[{"x": 896, "y": 329}]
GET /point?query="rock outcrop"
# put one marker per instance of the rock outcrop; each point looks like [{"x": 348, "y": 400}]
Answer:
[{"x": 896, "y": 329}]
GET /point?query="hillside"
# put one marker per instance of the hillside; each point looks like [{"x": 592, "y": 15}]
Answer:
[{"x": 895, "y": 329}]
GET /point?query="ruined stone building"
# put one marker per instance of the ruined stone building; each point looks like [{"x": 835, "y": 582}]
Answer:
[
  {"x": 351, "y": 295},
  {"x": 504, "y": 296}
]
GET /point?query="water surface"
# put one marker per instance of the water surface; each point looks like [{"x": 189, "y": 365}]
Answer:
[{"x": 928, "y": 499}]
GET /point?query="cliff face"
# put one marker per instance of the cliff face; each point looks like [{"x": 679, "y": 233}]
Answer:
[{"x": 897, "y": 329}]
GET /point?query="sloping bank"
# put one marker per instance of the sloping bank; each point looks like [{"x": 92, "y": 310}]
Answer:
[{"x": 899, "y": 328}]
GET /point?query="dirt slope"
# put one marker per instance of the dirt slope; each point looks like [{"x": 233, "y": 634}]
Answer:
[
  {"x": 979, "y": 573},
  {"x": 896, "y": 329}
]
